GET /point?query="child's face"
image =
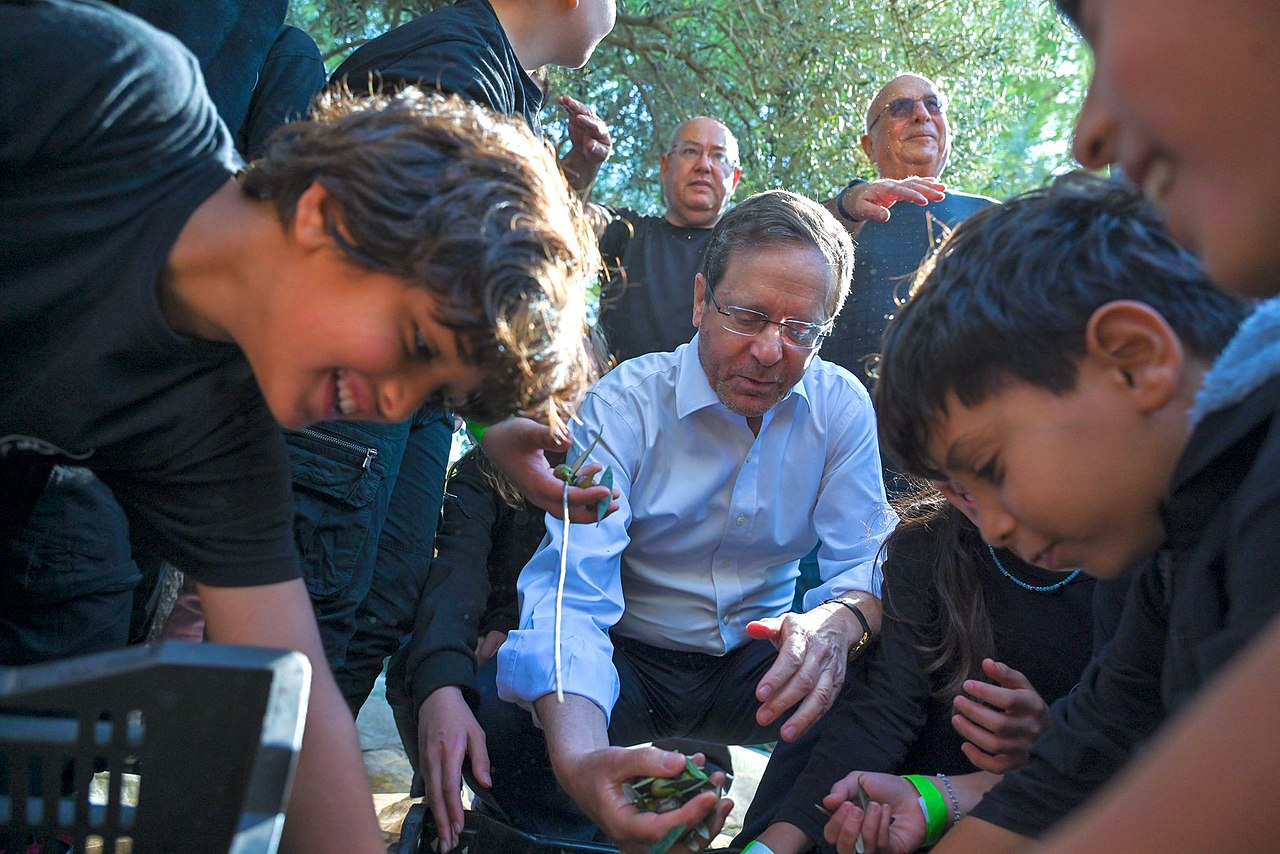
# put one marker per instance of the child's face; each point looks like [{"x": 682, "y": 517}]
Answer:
[
  {"x": 358, "y": 345},
  {"x": 1064, "y": 481},
  {"x": 1184, "y": 99}
]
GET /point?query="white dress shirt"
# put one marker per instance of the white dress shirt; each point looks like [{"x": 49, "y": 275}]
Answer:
[{"x": 711, "y": 525}]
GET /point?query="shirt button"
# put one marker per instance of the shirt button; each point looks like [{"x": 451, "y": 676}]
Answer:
[
  {"x": 725, "y": 620},
  {"x": 724, "y": 564},
  {"x": 742, "y": 519}
]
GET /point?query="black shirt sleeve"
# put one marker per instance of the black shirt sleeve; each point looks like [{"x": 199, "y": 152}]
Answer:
[
  {"x": 292, "y": 75},
  {"x": 1096, "y": 727},
  {"x": 441, "y": 650},
  {"x": 230, "y": 39}
]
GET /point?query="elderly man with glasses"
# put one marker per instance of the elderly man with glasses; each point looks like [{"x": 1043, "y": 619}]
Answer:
[
  {"x": 646, "y": 304},
  {"x": 908, "y": 139},
  {"x": 734, "y": 455}
]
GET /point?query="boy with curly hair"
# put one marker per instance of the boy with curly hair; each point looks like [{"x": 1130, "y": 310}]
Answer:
[{"x": 160, "y": 317}]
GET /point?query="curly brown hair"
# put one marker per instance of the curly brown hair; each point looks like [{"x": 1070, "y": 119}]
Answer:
[{"x": 470, "y": 205}]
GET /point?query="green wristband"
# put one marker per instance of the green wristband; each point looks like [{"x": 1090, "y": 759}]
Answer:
[
  {"x": 755, "y": 846},
  {"x": 476, "y": 429},
  {"x": 935, "y": 808}
]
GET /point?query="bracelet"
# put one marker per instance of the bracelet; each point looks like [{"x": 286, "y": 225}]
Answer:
[
  {"x": 862, "y": 620},
  {"x": 840, "y": 200},
  {"x": 755, "y": 846},
  {"x": 955, "y": 801},
  {"x": 933, "y": 807},
  {"x": 476, "y": 429}
]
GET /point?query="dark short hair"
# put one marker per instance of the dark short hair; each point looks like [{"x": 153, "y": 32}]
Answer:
[
  {"x": 468, "y": 204},
  {"x": 1010, "y": 292},
  {"x": 780, "y": 218}
]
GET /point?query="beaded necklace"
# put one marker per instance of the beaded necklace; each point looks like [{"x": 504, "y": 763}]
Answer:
[{"x": 1047, "y": 588}]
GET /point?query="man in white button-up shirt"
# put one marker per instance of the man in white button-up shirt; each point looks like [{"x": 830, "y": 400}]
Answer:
[{"x": 735, "y": 455}]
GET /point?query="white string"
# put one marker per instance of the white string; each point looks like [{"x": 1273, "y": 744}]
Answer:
[{"x": 564, "y": 567}]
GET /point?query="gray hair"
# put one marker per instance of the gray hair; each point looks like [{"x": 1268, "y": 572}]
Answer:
[{"x": 780, "y": 218}]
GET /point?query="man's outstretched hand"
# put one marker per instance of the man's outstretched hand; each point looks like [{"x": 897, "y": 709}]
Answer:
[{"x": 813, "y": 652}]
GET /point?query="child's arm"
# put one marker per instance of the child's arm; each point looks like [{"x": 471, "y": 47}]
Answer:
[
  {"x": 784, "y": 838},
  {"x": 895, "y": 819},
  {"x": 1176, "y": 796},
  {"x": 448, "y": 733},
  {"x": 331, "y": 807}
]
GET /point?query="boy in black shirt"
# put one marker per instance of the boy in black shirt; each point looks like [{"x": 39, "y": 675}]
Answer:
[
  {"x": 1044, "y": 370},
  {"x": 157, "y": 314}
]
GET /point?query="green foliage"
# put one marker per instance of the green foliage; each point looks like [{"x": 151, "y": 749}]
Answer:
[{"x": 792, "y": 78}]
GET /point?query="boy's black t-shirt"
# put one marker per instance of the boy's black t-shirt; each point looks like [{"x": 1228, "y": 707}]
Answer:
[
  {"x": 460, "y": 49},
  {"x": 98, "y": 175}
]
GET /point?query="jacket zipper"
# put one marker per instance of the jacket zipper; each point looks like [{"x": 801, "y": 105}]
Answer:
[{"x": 369, "y": 453}]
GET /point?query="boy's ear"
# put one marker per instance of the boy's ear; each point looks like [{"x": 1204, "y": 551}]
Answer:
[
  {"x": 315, "y": 216},
  {"x": 1134, "y": 342}
]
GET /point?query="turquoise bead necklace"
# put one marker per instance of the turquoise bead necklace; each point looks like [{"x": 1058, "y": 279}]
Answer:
[{"x": 1047, "y": 588}]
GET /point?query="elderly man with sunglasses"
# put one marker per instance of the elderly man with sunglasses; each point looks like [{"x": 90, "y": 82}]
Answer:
[
  {"x": 908, "y": 140},
  {"x": 734, "y": 455}
]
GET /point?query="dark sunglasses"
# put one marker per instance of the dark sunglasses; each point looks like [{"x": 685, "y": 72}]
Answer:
[{"x": 901, "y": 108}]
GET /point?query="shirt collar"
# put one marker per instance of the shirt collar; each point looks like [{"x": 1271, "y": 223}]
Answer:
[{"x": 694, "y": 391}]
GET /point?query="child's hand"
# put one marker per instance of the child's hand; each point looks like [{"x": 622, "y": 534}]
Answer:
[
  {"x": 1000, "y": 722},
  {"x": 891, "y": 822},
  {"x": 447, "y": 734},
  {"x": 518, "y": 446},
  {"x": 487, "y": 646}
]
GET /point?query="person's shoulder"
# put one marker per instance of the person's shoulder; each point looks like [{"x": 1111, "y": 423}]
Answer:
[
  {"x": 294, "y": 42},
  {"x": 834, "y": 381},
  {"x": 120, "y": 82},
  {"x": 86, "y": 36},
  {"x": 968, "y": 202},
  {"x": 910, "y": 553},
  {"x": 630, "y": 220},
  {"x": 442, "y": 48},
  {"x": 1240, "y": 392},
  {"x": 642, "y": 375}
]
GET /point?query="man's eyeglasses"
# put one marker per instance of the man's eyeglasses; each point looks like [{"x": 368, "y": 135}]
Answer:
[
  {"x": 902, "y": 108},
  {"x": 720, "y": 160},
  {"x": 748, "y": 322}
]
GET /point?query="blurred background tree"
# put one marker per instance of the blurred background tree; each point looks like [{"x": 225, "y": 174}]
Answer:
[{"x": 792, "y": 78}]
